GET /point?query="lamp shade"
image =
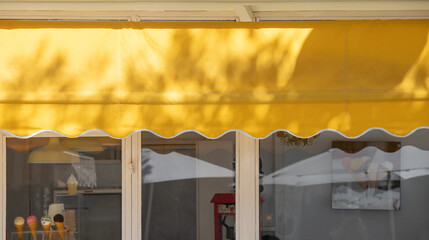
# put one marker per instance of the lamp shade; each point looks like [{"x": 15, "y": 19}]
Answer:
[{"x": 54, "y": 152}]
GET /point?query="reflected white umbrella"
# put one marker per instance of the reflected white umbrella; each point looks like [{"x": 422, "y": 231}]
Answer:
[
  {"x": 313, "y": 170},
  {"x": 414, "y": 162},
  {"x": 407, "y": 163},
  {"x": 175, "y": 166}
]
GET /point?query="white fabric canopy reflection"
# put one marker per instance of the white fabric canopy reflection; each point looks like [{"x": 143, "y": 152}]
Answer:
[
  {"x": 175, "y": 166},
  {"x": 408, "y": 162}
]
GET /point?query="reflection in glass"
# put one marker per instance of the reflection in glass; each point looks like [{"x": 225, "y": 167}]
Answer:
[
  {"x": 366, "y": 179},
  {"x": 78, "y": 178},
  {"x": 331, "y": 187},
  {"x": 180, "y": 178}
]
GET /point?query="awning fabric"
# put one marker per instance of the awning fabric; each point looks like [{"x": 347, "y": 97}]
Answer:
[{"x": 120, "y": 77}]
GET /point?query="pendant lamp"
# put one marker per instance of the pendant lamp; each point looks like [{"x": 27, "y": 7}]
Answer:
[
  {"x": 83, "y": 144},
  {"x": 54, "y": 152}
]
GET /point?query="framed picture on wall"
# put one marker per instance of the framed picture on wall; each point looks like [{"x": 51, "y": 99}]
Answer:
[{"x": 364, "y": 175}]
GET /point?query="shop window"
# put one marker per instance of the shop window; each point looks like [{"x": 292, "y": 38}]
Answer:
[
  {"x": 78, "y": 178},
  {"x": 188, "y": 187},
  {"x": 372, "y": 187}
]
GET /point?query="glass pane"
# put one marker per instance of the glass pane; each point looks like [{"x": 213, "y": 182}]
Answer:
[
  {"x": 375, "y": 187},
  {"x": 78, "y": 178},
  {"x": 188, "y": 187}
]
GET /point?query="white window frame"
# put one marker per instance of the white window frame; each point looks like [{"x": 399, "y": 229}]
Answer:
[
  {"x": 131, "y": 187},
  {"x": 244, "y": 11},
  {"x": 2, "y": 187},
  {"x": 247, "y": 185}
]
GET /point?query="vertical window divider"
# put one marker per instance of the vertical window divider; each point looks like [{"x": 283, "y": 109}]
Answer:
[
  {"x": 2, "y": 186},
  {"x": 247, "y": 187},
  {"x": 137, "y": 187},
  {"x": 131, "y": 187},
  {"x": 126, "y": 188}
]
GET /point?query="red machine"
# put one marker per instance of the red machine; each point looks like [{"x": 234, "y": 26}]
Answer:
[{"x": 224, "y": 207}]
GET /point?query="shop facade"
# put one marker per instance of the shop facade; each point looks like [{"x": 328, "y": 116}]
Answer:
[{"x": 315, "y": 129}]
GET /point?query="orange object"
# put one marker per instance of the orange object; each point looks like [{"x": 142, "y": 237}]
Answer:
[
  {"x": 32, "y": 225},
  {"x": 19, "y": 230},
  {"x": 47, "y": 229},
  {"x": 60, "y": 229},
  {"x": 33, "y": 228},
  {"x": 19, "y": 226}
]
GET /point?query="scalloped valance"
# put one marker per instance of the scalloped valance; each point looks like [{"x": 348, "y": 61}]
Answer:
[{"x": 213, "y": 77}]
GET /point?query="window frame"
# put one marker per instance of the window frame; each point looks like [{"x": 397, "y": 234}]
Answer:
[
  {"x": 247, "y": 184},
  {"x": 212, "y": 11},
  {"x": 3, "y": 186}
]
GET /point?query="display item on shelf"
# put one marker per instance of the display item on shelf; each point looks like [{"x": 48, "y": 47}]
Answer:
[
  {"x": 32, "y": 225},
  {"x": 59, "y": 224},
  {"x": 19, "y": 226},
  {"x": 46, "y": 224},
  {"x": 72, "y": 185},
  {"x": 57, "y": 235}
]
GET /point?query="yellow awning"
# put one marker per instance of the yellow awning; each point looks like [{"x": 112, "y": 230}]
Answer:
[{"x": 213, "y": 77}]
